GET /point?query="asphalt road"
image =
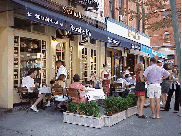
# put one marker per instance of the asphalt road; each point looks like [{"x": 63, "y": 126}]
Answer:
[{"x": 49, "y": 123}]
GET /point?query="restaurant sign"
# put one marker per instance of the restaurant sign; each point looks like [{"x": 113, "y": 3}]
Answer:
[
  {"x": 136, "y": 46},
  {"x": 59, "y": 22}
]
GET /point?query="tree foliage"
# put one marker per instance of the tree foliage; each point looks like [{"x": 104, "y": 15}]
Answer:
[{"x": 153, "y": 9}]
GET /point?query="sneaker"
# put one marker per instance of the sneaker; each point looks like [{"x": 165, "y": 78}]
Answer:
[
  {"x": 161, "y": 103},
  {"x": 34, "y": 108},
  {"x": 48, "y": 105}
]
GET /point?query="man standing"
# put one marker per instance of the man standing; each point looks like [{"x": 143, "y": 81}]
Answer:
[
  {"x": 28, "y": 82},
  {"x": 61, "y": 69},
  {"x": 153, "y": 75}
]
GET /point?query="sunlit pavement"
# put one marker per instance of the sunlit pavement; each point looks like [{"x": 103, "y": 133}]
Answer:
[{"x": 49, "y": 123}]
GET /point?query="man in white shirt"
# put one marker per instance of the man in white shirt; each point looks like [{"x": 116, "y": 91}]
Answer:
[
  {"x": 61, "y": 69},
  {"x": 28, "y": 82}
]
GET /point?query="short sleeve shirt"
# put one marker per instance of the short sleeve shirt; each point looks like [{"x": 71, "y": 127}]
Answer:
[
  {"x": 28, "y": 82},
  {"x": 154, "y": 74}
]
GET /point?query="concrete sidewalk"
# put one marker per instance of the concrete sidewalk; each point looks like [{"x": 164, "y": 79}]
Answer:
[{"x": 49, "y": 123}]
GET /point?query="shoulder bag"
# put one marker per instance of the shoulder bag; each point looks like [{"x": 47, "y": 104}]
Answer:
[{"x": 140, "y": 86}]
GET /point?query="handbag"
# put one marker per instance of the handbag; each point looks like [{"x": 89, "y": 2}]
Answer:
[{"x": 140, "y": 86}]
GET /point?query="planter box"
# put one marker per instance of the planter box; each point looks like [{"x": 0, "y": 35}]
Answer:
[
  {"x": 131, "y": 111},
  {"x": 83, "y": 120},
  {"x": 128, "y": 112},
  {"x": 135, "y": 110},
  {"x": 114, "y": 119}
]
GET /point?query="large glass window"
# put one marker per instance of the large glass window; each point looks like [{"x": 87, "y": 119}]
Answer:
[{"x": 29, "y": 54}]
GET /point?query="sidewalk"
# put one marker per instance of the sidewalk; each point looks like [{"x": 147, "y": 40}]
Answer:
[{"x": 49, "y": 123}]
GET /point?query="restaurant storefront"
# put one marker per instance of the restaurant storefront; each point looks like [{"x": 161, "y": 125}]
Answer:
[{"x": 29, "y": 40}]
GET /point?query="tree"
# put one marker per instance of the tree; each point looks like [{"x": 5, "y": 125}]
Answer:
[{"x": 154, "y": 10}]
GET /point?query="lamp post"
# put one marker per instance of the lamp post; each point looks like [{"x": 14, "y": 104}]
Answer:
[{"x": 176, "y": 34}]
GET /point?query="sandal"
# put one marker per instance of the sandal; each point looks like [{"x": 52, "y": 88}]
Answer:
[
  {"x": 158, "y": 117},
  {"x": 143, "y": 116}
]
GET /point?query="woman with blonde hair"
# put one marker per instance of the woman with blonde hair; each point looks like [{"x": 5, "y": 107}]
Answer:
[{"x": 140, "y": 90}]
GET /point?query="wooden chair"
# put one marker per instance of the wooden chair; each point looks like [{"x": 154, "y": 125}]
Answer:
[
  {"x": 117, "y": 88},
  {"x": 58, "y": 90},
  {"x": 24, "y": 95},
  {"x": 72, "y": 92}
]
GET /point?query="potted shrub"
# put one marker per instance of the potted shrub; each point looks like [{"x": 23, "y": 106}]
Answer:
[
  {"x": 86, "y": 114},
  {"x": 132, "y": 102},
  {"x": 114, "y": 107},
  {"x": 69, "y": 114}
]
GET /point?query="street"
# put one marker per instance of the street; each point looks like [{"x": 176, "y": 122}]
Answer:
[{"x": 49, "y": 123}]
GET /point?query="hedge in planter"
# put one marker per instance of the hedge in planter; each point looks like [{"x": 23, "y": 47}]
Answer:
[
  {"x": 87, "y": 115},
  {"x": 114, "y": 110},
  {"x": 131, "y": 102}
]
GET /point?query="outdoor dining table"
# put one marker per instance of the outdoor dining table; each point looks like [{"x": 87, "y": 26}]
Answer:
[
  {"x": 93, "y": 94},
  {"x": 44, "y": 90}
]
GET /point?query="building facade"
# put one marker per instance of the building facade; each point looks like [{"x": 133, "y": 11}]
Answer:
[
  {"x": 36, "y": 34},
  {"x": 162, "y": 40}
]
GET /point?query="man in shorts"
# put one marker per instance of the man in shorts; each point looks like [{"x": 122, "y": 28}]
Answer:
[
  {"x": 28, "y": 82},
  {"x": 153, "y": 75}
]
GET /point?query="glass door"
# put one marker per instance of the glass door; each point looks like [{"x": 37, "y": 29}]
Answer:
[{"x": 89, "y": 62}]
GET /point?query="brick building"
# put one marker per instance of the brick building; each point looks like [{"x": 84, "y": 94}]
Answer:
[{"x": 163, "y": 39}]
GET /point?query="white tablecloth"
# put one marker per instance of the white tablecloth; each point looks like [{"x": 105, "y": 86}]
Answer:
[
  {"x": 94, "y": 94},
  {"x": 44, "y": 90}
]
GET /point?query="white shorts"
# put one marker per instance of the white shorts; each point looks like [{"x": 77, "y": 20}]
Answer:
[{"x": 154, "y": 90}]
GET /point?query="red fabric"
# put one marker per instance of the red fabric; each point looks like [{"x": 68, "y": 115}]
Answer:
[
  {"x": 140, "y": 93},
  {"x": 106, "y": 82},
  {"x": 79, "y": 86}
]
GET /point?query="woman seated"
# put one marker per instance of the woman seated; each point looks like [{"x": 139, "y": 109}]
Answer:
[
  {"x": 77, "y": 85},
  {"x": 121, "y": 79},
  {"x": 96, "y": 83},
  {"x": 59, "y": 83},
  {"x": 60, "y": 80}
]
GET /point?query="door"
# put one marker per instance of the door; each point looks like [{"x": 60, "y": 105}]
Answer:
[
  {"x": 64, "y": 53},
  {"x": 89, "y": 62}
]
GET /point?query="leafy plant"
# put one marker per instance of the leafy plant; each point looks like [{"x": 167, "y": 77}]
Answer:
[
  {"x": 72, "y": 107},
  {"x": 132, "y": 99},
  {"x": 89, "y": 109},
  {"x": 111, "y": 105},
  {"x": 122, "y": 104}
]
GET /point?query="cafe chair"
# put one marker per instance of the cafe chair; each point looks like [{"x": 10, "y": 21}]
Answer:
[
  {"x": 117, "y": 89},
  {"x": 72, "y": 92},
  {"x": 24, "y": 95},
  {"x": 59, "y": 95}
]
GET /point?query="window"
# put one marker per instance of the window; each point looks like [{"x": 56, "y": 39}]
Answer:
[
  {"x": 165, "y": 14},
  {"x": 120, "y": 6},
  {"x": 143, "y": 21},
  {"x": 138, "y": 21},
  {"x": 111, "y": 2},
  {"x": 166, "y": 39},
  {"x": 165, "y": 2}
]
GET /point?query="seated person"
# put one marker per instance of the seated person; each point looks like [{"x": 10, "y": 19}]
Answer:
[
  {"x": 133, "y": 80},
  {"x": 96, "y": 83},
  {"x": 80, "y": 87},
  {"x": 121, "y": 79},
  {"x": 127, "y": 78},
  {"x": 28, "y": 82},
  {"x": 60, "y": 80}
]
